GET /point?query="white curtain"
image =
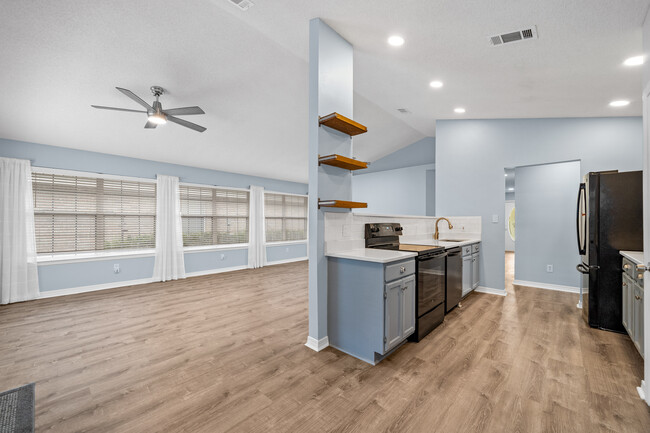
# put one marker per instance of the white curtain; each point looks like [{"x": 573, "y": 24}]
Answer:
[
  {"x": 18, "y": 269},
  {"x": 169, "y": 263},
  {"x": 256, "y": 239}
]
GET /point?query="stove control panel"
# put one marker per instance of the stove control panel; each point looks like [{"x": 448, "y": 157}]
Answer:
[{"x": 377, "y": 230}]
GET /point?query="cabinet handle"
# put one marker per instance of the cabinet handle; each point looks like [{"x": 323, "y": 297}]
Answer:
[
  {"x": 641, "y": 268},
  {"x": 402, "y": 269},
  {"x": 637, "y": 297},
  {"x": 626, "y": 266},
  {"x": 639, "y": 276},
  {"x": 624, "y": 284}
]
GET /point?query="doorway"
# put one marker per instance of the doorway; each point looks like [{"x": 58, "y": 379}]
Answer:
[
  {"x": 510, "y": 225},
  {"x": 540, "y": 222}
]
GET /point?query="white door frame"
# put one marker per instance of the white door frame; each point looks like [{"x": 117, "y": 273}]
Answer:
[{"x": 643, "y": 389}]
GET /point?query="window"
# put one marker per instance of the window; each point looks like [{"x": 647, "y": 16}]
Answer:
[
  {"x": 75, "y": 213},
  {"x": 213, "y": 216},
  {"x": 285, "y": 217}
]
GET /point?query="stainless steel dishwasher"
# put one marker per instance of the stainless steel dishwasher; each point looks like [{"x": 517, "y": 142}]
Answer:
[{"x": 454, "y": 291}]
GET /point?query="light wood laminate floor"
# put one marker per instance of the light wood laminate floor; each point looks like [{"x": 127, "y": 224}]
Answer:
[{"x": 226, "y": 353}]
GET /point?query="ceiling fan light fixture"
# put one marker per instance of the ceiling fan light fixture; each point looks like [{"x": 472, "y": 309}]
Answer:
[{"x": 157, "y": 118}]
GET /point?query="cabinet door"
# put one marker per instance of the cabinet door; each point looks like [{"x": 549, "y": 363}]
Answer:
[
  {"x": 467, "y": 274},
  {"x": 392, "y": 325},
  {"x": 638, "y": 319},
  {"x": 475, "y": 273},
  {"x": 627, "y": 301},
  {"x": 408, "y": 306}
]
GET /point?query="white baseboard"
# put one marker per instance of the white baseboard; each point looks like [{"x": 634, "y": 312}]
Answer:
[
  {"x": 556, "y": 287},
  {"x": 215, "y": 271},
  {"x": 94, "y": 288},
  {"x": 317, "y": 345},
  {"x": 115, "y": 285},
  {"x": 491, "y": 291},
  {"x": 642, "y": 392},
  {"x": 282, "y": 262}
]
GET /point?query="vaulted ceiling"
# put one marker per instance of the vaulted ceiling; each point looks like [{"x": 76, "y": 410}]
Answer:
[{"x": 248, "y": 71}]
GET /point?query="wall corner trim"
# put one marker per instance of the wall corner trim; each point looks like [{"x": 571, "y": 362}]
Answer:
[
  {"x": 491, "y": 291},
  {"x": 546, "y": 286},
  {"x": 317, "y": 345}
]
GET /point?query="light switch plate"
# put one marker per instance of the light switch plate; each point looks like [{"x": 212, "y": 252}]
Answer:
[{"x": 495, "y": 218}]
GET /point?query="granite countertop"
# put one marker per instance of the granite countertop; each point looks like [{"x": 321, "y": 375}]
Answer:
[
  {"x": 372, "y": 255},
  {"x": 635, "y": 256}
]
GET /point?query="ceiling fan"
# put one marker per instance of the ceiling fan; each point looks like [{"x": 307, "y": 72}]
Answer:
[{"x": 155, "y": 114}]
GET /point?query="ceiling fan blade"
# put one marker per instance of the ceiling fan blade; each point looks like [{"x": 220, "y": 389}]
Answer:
[
  {"x": 186, "y": 124},
  {"x": 136, "y": 98},
  {"x": 185, "y": 111},
  {"x": 101, "y": 107},
  {"x": 150, "y": 125}
]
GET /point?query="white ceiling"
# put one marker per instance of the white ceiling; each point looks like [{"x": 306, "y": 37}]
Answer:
[{"x": 248, "y": 71}]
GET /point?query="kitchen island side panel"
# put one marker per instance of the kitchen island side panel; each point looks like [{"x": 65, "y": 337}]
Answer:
[{"x": 356, "y": 307}]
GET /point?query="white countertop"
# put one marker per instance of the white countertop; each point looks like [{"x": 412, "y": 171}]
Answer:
[
  {"x": 635, "y": 256},
  {"x": 372, "y": 255}
]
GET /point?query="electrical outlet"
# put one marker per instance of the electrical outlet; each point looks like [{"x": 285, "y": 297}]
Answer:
[
  {"x": 549, "y": 268},
  {"x": 223, "y": 257},
  {"x": 116, "y": 268}
]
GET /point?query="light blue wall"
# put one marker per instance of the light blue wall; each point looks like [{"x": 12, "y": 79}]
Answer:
[
  {"x": 545, "y": 218},
  {"x": 472, "y": 154},
  {"x": 278, "y": 253},
  {"x": 419, "y": 153},
  {"x": 402, "y": 191},
  {"x": 80, "y": 274}
]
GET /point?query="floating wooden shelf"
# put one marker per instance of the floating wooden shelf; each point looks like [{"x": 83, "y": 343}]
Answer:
[
  {"x": 341, "y": 204},
  {"x": 343, "y": 124},
  {"x": 342, "y": 162}
]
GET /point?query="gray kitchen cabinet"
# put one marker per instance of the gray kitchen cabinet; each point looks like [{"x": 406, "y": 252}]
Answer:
[
  {"x": 471, "y": 273},
  {"x": 371, "y": 306},
  {"x": 632, "y": 293},
  {"x": 638, "y": 319},
  {"x": 475, "y": 271},
  {"x": 627, "y": 289},
  {"x": 392, "y": 306},
  {"x": 408, "y": 307}
]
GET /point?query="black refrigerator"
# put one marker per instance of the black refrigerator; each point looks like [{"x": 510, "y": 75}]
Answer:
[{"x": 609, "y": 219}]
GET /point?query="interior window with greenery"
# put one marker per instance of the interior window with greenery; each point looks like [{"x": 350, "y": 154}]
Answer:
[
  {"x": 75, "y": 213},
  {"x": 285, "y": 217},
  {"x": 213, "y": 216}
]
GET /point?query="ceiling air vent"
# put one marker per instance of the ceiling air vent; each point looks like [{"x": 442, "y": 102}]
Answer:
[
  {"x": 403, "y": 111},
  {"x": 242, "y": 4},
  {"x": 516, "y": 36}
]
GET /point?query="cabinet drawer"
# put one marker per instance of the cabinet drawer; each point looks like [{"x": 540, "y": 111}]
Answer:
[
  {"x": 399, "y": 270},
  {"x": 475, "y": 248},
  {"x": 467, "y": 250}
]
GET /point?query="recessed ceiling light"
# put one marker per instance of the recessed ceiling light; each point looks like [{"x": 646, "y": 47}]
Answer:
[
  {"x": 396, "y": 41},
  {"x": 436, "y": 84},
  {"x": 459, "y": 110},
  {"x": 634, "y": 61},
  {"x": 619, "y": 103},
  {"x": 511, "y": 189},
  {"x": 506, "y": 174}
]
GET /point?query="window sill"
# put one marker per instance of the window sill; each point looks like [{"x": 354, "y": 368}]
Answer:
[
  {"x": 271, "y": 244},
  {"x": 207, "y": 248},
  {"x": 53, "y": 259}
]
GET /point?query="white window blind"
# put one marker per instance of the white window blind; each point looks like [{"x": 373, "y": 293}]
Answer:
[
  {"x": 285, "y": 217},
  {"x": 75, "y": 213},
  {"x": 213, "y": 216}
]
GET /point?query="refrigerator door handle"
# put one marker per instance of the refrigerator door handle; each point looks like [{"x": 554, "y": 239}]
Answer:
[
  {"x": 582, "y": 243},
  {"x": 582, "y": 268}
]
